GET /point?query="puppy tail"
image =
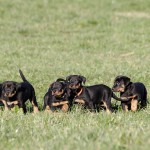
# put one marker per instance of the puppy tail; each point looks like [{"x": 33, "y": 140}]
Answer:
[
  {"x": 119, "y": 99},
  {"x": 22, "y": 76}
]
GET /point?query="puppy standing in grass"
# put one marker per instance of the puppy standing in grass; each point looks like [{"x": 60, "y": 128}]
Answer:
[
  {"x": 92, "y": 97},
  {"x": 14, "y": 93},
  {"x": 136, "y": 92},
  {"x": 56, "y": 98}
]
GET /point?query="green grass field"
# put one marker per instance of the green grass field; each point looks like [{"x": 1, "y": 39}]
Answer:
[{"x": 99, "y": 39}]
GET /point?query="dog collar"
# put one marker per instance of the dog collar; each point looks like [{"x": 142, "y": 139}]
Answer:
[{"x": 129, "y": 97}]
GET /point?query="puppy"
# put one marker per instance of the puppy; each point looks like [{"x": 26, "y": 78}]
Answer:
[
  {"x": 136, "y": 92},
  {"x": 14, "y": 93},
  {"x": 1, "y": 103},
  {"x": 92, "y": 97},
  {"x": 56, "y": 98}
]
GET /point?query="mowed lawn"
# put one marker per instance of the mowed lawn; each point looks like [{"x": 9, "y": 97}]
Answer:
[{"x": 99, "y": 39}]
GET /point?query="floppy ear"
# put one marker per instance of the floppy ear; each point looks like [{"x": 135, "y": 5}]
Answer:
[
  {"x": 68, "y": 92},
  {"x": 126, "y": 81},
  {"x": 60, "y": 80},
  {"x": 68, "y": 78},
  {"x": 83, "y": 79},
  {"x": 3, "y": 86},
  {"x": 51, "y": 86}
]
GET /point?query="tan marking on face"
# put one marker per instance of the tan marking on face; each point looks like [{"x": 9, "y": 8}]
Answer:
[
  {"x": 65, "y": 108},
  {"x": 5, "y": 104},
  {"x": 134, "y": 104},
  {"x": 75, "y": 86},
  {"x": 58, "y": 93},
  {"x": 10, "y": 95},
  {"x": 47, "y": 109},
  {"x": 121, "y": 89},
  {"x": 107, "y": 110},
  {"x": 81, "y": 101}
]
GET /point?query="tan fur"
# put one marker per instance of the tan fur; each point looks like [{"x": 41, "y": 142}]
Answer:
[
  {"x": 126, "y": 108},
  {"x": 59, "y": 103},
  {"x": 65, "y": 108},
  {"x": 58, "y": 93},
  {"x": 75, "y": 86},
  {"x": 48, "y": 109},
  {"x": 107, "y": 110},
  {"x": 134, "y": 104},
  {"x": 35, "y": 108},
  {"x": 129, "y": 97},
  {"x": 79, "y": 101},
  {"x": 5, "y": 104},
  {"x": 10, "y": 95},
  {"x": 13, "y": 102}
]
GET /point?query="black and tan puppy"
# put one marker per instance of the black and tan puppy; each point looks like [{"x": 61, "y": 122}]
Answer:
[
  {"x": 136, "y": 92},
  {"x": 92, "y": 97},
  {"x": 14, "y": 93},
  {"x": 56, "y": 97}
]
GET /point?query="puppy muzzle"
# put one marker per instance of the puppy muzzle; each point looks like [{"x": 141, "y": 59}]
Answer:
[
  {"x": 74, "y": 86},
  {"x": 8, "y": 94}
]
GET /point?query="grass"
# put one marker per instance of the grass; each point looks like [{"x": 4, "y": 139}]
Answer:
[{"x": 50, "y": 39}]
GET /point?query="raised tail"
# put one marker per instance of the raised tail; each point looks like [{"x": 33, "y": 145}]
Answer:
[
  {"x": 22, "y": 76},
  {"x": 119, "y": 99}
]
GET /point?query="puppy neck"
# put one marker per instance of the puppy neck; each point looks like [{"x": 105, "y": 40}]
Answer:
[
  {"x": 60, "y": 96},
  {"x": 79, "y": 91},
  {"x": 128, "y": 86}
]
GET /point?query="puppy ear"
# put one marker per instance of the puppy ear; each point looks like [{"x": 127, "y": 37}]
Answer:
[
  {"x": 68, "y": 92},
  {"x": 50, "y": 86},
  {"x": 126, "y": 81},
  {"x": 68, "y": 78},
  {"x": 3, "y": 86},
  {"x": 83, "y": 79},
  {"x": 18, "y": 86},
  {"x": 60, "y": 80}
]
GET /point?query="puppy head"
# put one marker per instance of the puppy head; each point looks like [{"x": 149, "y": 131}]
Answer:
[
  {"x": 75, "y": 81},
  {"x": 57, "y": 88},
  {"x": 120, "y": 83},
  {"x": 9, "y": 88}
]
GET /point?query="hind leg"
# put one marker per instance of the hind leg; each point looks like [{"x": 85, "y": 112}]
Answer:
[
  {"x": 134, "y": 104},
  {"x": 143, "y": 103},
  {"x": 144, "y": 100},
  {"x": 34, "y": 104},
  {"x": 125, "y": 107},
  {"x": 107, "y": 104},
  {"x": 5, "y": 104},
  {"x": 90, "y": 106},
  {"x": 23, "y": 107}
]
